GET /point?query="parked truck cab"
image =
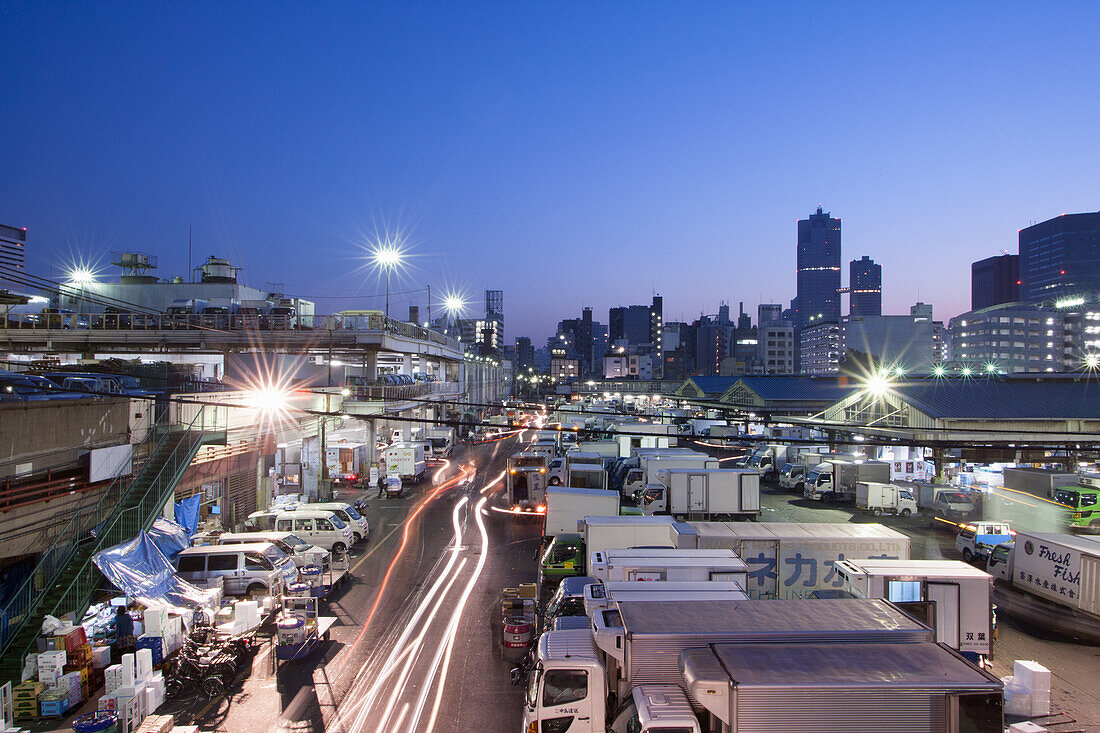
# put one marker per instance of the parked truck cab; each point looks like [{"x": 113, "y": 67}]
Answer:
[
  {"x": 563, "y": 558},
  {"x": 1083, "y": 501}
]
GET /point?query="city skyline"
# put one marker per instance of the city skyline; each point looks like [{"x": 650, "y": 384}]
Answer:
[{"x": 641, "y": 160}]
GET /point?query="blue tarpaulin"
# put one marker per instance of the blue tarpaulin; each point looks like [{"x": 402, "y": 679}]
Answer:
[
  {"x": 141, "y": 571},
  {"x": 187, "y": 513},
  {"x": 169, "y": 537}
]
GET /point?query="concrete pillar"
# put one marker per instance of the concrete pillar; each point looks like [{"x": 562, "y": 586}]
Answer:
[
  {"x": 311, "y": 466},
  {"x": 370, "y": 366},
  {"x": 407, "y": 366},
  {"x": 406, "y": 430},
  {"x": 371, "y": 439}
]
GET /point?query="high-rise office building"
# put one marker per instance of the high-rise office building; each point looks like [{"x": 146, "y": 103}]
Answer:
[
  {"x": 994, "y": 280},
  {"x": 817, "y": 295},
  {"x": 656, "y": 326},
  {"x": 13, "y": 256},
  {"x": 525, "y": 353},
  {"x": 768, "y": 313},
  {"x": 864, "y": 287},
  {"x": 630, "y": 322},
  {"x": 1060, "y": 257}
]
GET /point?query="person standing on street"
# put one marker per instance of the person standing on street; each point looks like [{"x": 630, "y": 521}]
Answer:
[{"x": 381, "y": 484}]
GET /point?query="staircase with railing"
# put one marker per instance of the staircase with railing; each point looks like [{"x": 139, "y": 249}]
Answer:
[{"x": 65, "y": 578}]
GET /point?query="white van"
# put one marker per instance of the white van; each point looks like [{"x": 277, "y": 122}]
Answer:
[
  {"x": 253, "y": 568},
  {"x": 317, "y": 526},
  {"x": 356, "y": 521},
  {"x": 300, "y": 552}
]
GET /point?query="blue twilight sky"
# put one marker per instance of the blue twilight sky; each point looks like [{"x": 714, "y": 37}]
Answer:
[{"x": 581, "y": 153}]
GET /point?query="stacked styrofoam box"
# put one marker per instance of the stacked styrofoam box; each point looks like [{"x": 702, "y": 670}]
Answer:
[
  {"x": 173, "y": 635},
  {"x": 1035, "y": 678},
  {"x": 70, "y": 683},
  {"x": 1027, "y": 727},
  {"x": 249, "y": 613},
  {"x": 50, "y": 666},
  {"x": 155, "y": 618},
  {"x": 143, "y": 662},
  {"x": 101, "y": 657},
  {"x": 155, "y": 690},
  {"x": 157, "y": 724}
]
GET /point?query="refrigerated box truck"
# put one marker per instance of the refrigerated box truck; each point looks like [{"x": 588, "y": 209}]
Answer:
[
  {"x": 961, "y": 596},
  {"x": 566, "y": 508},
  {"x": 406, "y": 460},
  {"x": 792, "y": 560},
  {"x": 1052, "y": 580},
  {"x": 644, "y": 564},
  {"x": 717, "y": 493},
  {"x": 602, "y": 595},
  {"x": 1040, "y": 482},
  {"x": 885, "y": 499},
  {"x": 650, "y": 463}
]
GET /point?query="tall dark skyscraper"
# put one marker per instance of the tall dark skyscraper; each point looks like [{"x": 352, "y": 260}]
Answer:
[
  {"x": 1060, "y": 256},
  {"x": 817, "y": 295},
  {"x": 864, "y": 287},
  {"x": 630, "y": 322},
  {"x": 994, "y": 280},
  {"x": 525, "y": 353}
]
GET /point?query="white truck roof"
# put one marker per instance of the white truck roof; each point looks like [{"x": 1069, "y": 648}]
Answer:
[
  {"x": 921, "y": 568},
  {"x": 664, "y": 706},
  {"x": 572, "y": 643},
  {"x": 795, "y": 530}
]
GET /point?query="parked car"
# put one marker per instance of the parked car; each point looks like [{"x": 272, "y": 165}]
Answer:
[{"x": 253, "y": 569}]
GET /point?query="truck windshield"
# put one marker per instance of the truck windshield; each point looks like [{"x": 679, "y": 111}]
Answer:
[
  {"x": 754, "y": 462},
  {"x": 786, "y": 472},
  {"x": 335, "y": 519},
  {"x": 1069, "y": 498}
]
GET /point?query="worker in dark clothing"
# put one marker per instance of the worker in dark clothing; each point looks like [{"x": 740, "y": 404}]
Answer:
[
  {"x": 125, "y": 642},
  {"x": 381, "y": 485}
]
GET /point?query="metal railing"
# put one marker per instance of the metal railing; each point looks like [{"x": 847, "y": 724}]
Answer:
[
  {"x": 100, "y": 524},
  {"x": 396, "y": 393},
  {"x": 355, "y": 323}
]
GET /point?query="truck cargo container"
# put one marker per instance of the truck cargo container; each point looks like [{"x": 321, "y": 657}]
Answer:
[
  {"x": 406, "y": 460},
  {"x": 962, "y": 596},
  {"x": 885, "y": 499},
  {"x": 646, "y": 564},
  {"x": 788, "y": 560},
  {"x": 621, "y": 467},
  {"x": 566, "y": 508},
  {"x": 716, "y": 493},
  {"x": 442, "y": 440},
  {"x": 1052, "y": 580},
  {"x": 649, "y": 463},
  {"x": 1040, "y": 482},
  {"x": 639, "y": 644},
  {"x": 346, "y": 461},
  {"x": 768, "y": 687},
  {"x": 601, "y": 595},
  {"x": 525, "y": 482},
  {"x": 792, "y": 475}
]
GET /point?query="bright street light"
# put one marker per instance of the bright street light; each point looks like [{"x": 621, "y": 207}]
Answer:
[
  {"x": 81, "y": 276},
  {"x": 939, "y": 371},
  {"x": 387, "y": 256},
  {"x": 1092, "y": 361}
]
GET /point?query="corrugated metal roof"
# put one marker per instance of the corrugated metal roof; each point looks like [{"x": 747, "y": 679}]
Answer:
[
  {"x": 996, "y": 398},
  {"x": 824, "y": 389},
  {"x": 713, "y": 385}
]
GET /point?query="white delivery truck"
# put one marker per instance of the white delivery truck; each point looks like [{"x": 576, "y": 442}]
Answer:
[
  {"x": 960, "y": 596},
  {"x": 346, "y": 461},
  {"x": 637, "y": 479},
  {"x": 566, "y": 508},
  {"x": 442, "y": 440},
  {"x": 584, "y": 471},
  {"x": 407, "y": 461},
  {"x": 603, "y": 595},
  {"x": 835, "y": 481},
  {"x": 643, "y": 646},
  {"x": 609, "y": 449},
  {"x": 770, "y": 459},
  {"x": 793, "y": 475},
  {"x": 1051, "y": 580},
  {"x": 885, "y": 499},
  {"x": 643, "y": 435},
  {"x": 792, "y": 560},
  {"x": 567, "y": 554},
  {"x": 1040, "y": 482},
  {"x": 646, "y": 564},
  {"x": 525, "y": 482},
  {"x": 716, "y": 493}
]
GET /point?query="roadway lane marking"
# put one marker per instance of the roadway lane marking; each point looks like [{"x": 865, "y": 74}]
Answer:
[{"x": 377, "y": 545}]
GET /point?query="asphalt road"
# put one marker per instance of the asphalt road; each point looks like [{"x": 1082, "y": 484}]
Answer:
[{"x": 412, "y": 648}]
